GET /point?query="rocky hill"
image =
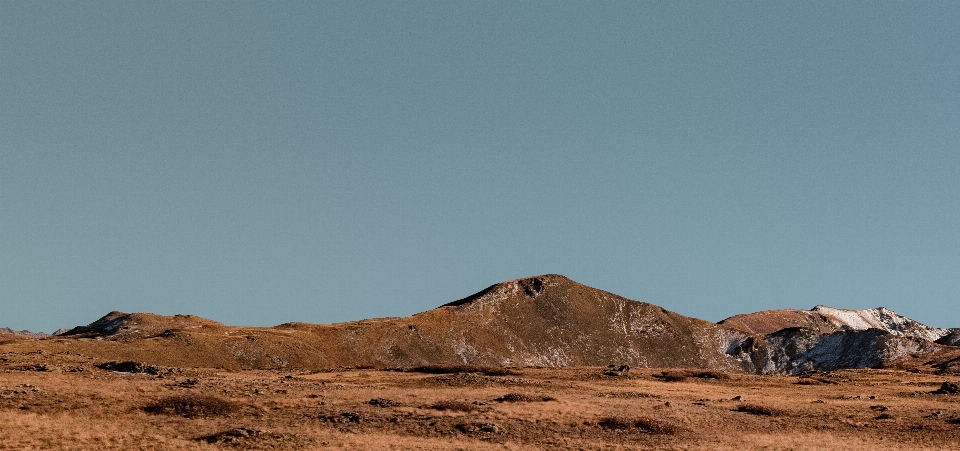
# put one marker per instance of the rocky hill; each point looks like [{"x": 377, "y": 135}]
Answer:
[
  {"x": 546, "y": 320},
  {"x": 825, "y": 319}
]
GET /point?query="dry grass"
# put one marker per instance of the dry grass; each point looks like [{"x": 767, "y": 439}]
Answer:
[{"x": 207, "y": 409}]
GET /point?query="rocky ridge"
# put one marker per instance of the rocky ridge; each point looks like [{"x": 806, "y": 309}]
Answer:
[{"x": 7, "y": 333}]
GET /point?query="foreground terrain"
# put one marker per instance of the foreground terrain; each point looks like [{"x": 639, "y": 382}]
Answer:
[{"x": 72, "y": 401}]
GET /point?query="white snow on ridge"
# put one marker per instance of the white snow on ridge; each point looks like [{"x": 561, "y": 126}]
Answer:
[{"x": 880, "y": 318}]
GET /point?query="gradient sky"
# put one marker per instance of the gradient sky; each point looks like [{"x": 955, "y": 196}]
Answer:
[{"x": 263, "y": 162}]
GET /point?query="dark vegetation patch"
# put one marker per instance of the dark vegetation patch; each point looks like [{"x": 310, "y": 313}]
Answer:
[
  {"x": 646, "y": 424},
  {"x": 455, "y": 405},
  {"x": 475, "y": 379},
  {"x": 627, "y": 395},
  {"x": 480, "y": 428},
  {"x": 129, "y": 367},
  {"x": 709, "y": 375},
  {"x": 453, "y": 369},
  {"x": 249, "y": 438},
  {"x": 383, "y": 402},
  {"x": 757, "y": 409},
  {"x": 523, "y": 397},
  {"x": 193, "y": 406},
  {"x": 668, "y": 376},
  {"x": 344, "y": 418},
  {"x": 682, "y": 375}
]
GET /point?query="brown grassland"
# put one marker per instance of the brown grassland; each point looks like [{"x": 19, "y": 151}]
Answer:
[{"x": 65, "y": 401}]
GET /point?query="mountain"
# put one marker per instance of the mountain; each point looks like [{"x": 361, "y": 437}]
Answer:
[
  {"x": 546, "y": 320},
  {"x": 825, "y": 319},
  {"x": 7, "y": 334},
  {"x": 827, "y": 338}
]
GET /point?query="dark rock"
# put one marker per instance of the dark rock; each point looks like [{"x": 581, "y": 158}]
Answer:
[
  {"x": 129, "y": 367},
  {"x": 948, "y": 388}
]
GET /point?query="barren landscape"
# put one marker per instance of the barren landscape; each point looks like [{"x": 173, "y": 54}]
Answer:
[
  {"x": 539, "y": 362},
  {"x": 85, "y": 407}
]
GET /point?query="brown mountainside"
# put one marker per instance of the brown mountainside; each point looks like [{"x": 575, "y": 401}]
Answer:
[
  {"x": 548, "y": 321},
  {"x": 540, "y": 321}
]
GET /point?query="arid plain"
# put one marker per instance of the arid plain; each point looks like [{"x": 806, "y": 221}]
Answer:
[
  {"x": 535, "y": 363},
  {"x": 67, "y": 402}
]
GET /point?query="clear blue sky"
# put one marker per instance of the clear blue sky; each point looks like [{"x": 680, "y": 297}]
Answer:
[{"x": 263, "y": 162}]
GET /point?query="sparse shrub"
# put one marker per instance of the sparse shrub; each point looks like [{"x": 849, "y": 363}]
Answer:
[
  {"x": 344, "y": 418},
  {"x": 383, "y": 402},
  {"x": 454, "y": 405},
  {"x": 523, "y": 397},
  {"x": 129, "y": 367},
  {"x": 709, "y": 375},
  {"x": 756, "y": 409},
  {"x": 489, "y": 428},
  {"x": 192, "y": 406},
  {"x": 627, "y": 395},
  {"x": 668, "y": 376},
  {"x": 647, "y": 424},
  {"x": 235, "y": 436},
  {"x": 680, "y": 376}
]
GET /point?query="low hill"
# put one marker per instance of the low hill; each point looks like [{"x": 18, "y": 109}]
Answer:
[{"x": 548, "y": 321}]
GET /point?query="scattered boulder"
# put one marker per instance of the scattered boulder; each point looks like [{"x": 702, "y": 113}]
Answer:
[
  {"x": 488, "y": 428},
  {"x": 617, "y": 370}
]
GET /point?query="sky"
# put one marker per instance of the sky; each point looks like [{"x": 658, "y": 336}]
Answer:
[{"x": 258, "y": 163}]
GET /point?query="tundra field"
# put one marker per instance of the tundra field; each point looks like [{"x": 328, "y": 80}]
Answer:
[
  {"x": 71, "y": 401},
  {"x": 519, "y": 365}
]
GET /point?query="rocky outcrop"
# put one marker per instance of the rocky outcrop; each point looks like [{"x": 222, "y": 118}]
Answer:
[{"x": 798, "y": 350}]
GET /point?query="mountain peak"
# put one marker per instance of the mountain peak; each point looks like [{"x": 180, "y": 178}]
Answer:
[{"x": 529, "y": 286}]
